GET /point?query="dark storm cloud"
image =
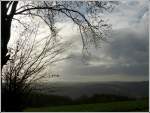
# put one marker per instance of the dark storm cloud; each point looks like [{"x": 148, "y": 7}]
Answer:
[{"x": 129, "y": 46}]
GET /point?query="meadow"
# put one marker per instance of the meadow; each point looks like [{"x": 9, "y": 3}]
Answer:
[{"x": 119, "y": 106}]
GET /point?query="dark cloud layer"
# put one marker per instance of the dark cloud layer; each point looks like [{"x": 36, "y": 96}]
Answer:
[
  {"x": 129, "y": 47},
  {"x": 115, "y": 69}
]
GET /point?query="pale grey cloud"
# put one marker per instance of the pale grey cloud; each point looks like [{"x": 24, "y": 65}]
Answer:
[
  {"x": 128, "y": 13},
  {"x": 126, "y": 54}
]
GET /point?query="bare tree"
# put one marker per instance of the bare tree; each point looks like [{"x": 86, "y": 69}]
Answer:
[
  {"x": 85, "y": 14},
  {"x": 27, "y": 64}
]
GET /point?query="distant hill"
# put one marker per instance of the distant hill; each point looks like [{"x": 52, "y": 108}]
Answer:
[{"x": 77, "y": 89}]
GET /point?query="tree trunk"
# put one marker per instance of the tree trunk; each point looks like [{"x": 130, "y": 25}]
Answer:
[{"x": 6, "y": 20}]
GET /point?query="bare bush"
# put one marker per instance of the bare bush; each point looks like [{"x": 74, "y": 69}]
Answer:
[{"x": 28, "y": 60}]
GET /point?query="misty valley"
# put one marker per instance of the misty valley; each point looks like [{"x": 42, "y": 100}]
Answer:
[{"x": 77, "y": 89}]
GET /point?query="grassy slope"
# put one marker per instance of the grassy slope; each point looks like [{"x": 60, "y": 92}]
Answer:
[{"x": 139, "y": 105}]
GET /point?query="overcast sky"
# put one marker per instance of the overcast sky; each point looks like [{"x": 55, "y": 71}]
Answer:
[{"x": 124, "y": 58}]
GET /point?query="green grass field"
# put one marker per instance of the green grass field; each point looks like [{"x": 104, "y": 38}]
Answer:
[{"x": 122, "y": 106}]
